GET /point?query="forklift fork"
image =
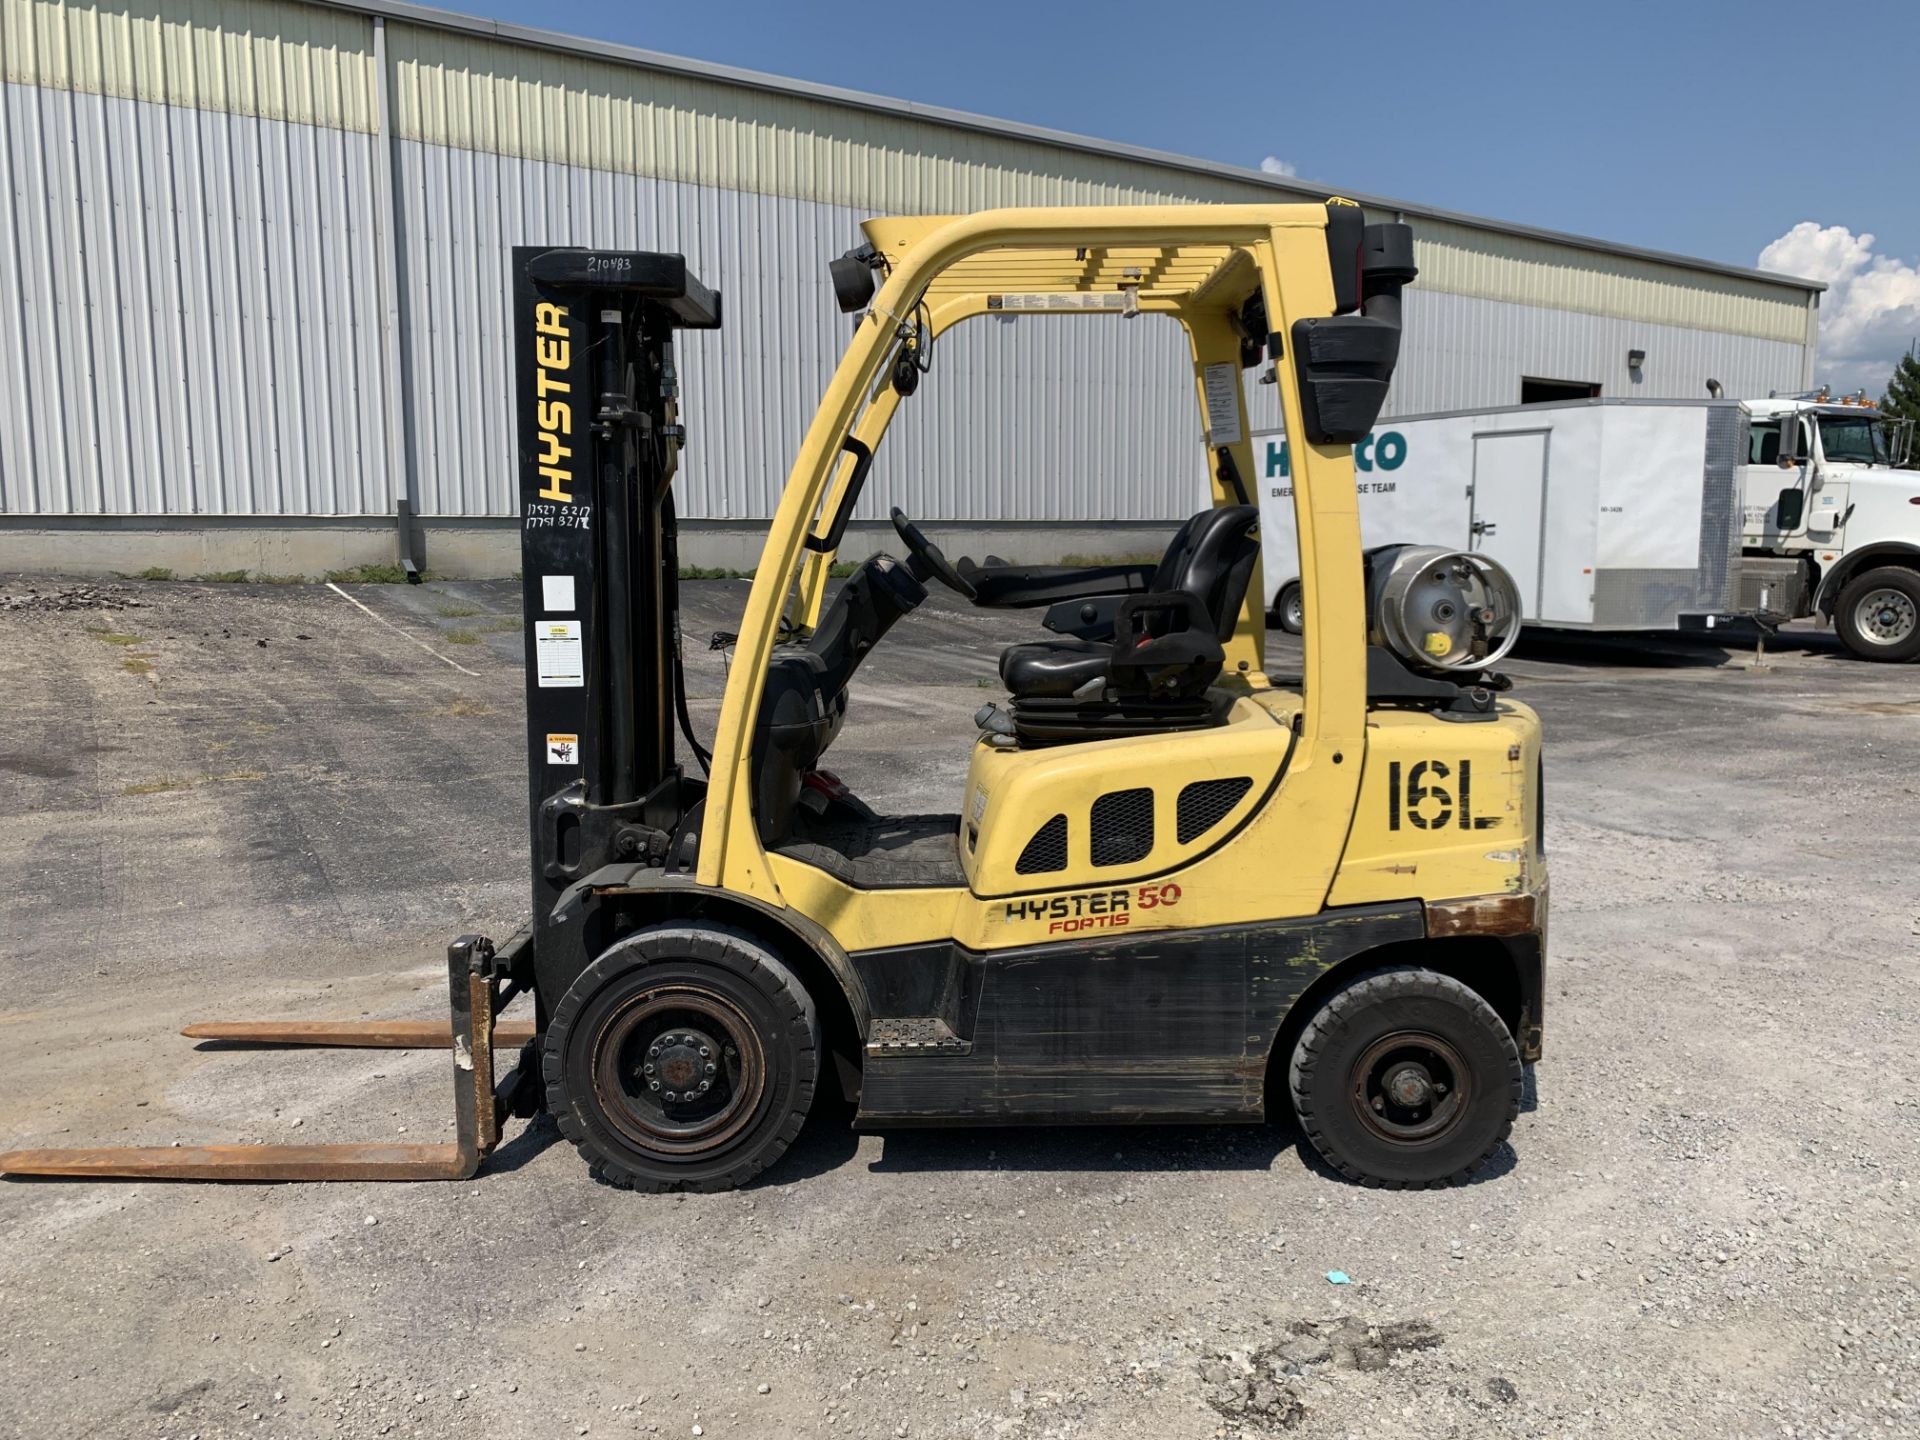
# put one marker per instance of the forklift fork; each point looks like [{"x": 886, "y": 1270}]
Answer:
[{"x": 479, "y": 984}]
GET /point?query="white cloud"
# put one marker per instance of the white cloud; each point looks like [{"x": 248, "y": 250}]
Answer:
[
  {"x": 1871, "y": 311},
  {"x": 1274, "y": 165}
]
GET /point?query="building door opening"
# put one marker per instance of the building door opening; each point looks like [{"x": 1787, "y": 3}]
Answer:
[{"x": 1545, "y": 392}]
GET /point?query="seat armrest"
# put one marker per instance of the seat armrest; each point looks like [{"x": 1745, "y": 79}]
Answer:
[
  {"x": 1176, "y": 665},
  {"x": 1127, "y": 621},
  {"x": 1026, "y": 587},
  {"x": 1088, "y": 618}
]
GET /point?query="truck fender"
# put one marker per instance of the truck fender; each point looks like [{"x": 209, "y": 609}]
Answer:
[{"x": 1884, "y": 552}]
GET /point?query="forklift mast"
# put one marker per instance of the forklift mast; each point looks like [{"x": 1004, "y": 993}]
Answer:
[{"x": 596, "y": 399}]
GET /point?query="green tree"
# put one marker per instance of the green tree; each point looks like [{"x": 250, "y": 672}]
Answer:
[{"x": 1903, "y": 398}]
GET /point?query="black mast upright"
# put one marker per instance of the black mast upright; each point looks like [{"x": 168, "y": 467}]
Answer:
[{"x": 599, "y": 441}]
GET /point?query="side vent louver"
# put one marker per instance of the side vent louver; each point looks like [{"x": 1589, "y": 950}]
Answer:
[
  {"x": 1122, "y": 827},
  {"x": 1046, "y": 851},
  {"x": 1205, "y": 803}
]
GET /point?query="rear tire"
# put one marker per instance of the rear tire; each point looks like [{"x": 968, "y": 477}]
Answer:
[
  {"x": 1879, "y": 614},
  {"x": 1406, "y": 1078},
  {"x": 1289, "y": 610},
  {"x": 684, "y": 1058}
]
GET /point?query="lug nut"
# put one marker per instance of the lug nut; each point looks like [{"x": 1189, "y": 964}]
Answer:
[
  {"x": 703, "y": 1086},
  {"x": 653, "y": 1084},
  {"x": 654, "y": 1053},
  {"x": 711, "y": 1067},
  {"x": 647, "y": 1069},
  {"x": 670, "y": 1097},
  {"x": 705, "y": 1052}
]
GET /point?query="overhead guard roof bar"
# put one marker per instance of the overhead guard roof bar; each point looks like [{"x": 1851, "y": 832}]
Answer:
[{"x": 1168, "y": 272}]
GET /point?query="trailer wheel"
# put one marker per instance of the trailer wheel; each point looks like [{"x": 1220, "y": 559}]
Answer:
[
  {"x": 684, "y": 1058},
  {"x": 1289, "y": 610},
  {"x": 1879, "y": 614},
  {"x": 1406, "y": 1078}
]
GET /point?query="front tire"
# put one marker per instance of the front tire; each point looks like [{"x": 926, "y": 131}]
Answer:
[
  {"x": 1406, "y": 1078},
  {"x": 1879, "y": 614},
  {"x": 684, "y": 1058}
]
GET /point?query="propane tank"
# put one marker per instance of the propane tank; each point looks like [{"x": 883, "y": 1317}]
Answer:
[{"x": 1441, "y": 610}]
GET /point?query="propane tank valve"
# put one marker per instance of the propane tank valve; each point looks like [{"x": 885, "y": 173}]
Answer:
[{"x": 1441, "y": 610}]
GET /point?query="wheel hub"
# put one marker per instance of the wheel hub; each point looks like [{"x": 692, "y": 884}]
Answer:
[
  {"x": 1408, "y": 1084},
  {"x": 1410, "y": 1087},
  {"x": 684, "y": 1064},
  {"x": 1886, "y": 616},
  {"x": 678, "y": 1069}
]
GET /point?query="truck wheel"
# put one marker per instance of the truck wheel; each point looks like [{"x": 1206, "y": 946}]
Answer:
[
  {"x": 1879, "y": 614},
  {"x": 1289, "y": 612},
  {"x": 684, "y": 1058},
  {"x": 1406, "y": 1078}
]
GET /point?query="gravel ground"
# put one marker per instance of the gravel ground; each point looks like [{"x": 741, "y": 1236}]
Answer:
[{"x": 233, "y": 800}]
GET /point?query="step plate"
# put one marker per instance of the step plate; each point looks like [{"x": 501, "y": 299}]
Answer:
[{"x": 915, "y": 1035}]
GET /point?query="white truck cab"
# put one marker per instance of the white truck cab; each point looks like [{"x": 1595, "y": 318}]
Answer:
[{"x": 1832, "y": 522}]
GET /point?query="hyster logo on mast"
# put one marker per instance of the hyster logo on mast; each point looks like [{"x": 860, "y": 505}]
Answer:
[{"x": 553, "y": 350}]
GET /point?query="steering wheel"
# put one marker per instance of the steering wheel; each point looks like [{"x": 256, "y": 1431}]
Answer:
[{"x": 927, "y": 557}]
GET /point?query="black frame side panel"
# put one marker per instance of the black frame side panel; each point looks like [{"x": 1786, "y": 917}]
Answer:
[{"x": 1171, "y": 1025}]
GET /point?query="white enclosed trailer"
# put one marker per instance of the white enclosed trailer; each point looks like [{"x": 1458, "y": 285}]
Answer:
[{"x": 1609, "y": 514}]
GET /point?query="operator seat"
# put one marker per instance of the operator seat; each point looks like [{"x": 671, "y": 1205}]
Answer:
[{"x": 1168, "y": 645}]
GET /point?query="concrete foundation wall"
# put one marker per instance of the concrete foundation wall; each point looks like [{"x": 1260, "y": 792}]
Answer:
[
  {"x": 128, "y": 545},
  {"x": 196, "y": 321}
]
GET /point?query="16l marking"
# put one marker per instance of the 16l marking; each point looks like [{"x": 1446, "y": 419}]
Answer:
[{"x": 1422, "y": 787}]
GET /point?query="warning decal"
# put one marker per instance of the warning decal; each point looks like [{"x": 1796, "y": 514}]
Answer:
[
  {"x": 559, "y": 658},
  {"x": 1222, "y": 384},
  {"x": 563, "y": 749},
  {"x": 1063, "y": 300}
]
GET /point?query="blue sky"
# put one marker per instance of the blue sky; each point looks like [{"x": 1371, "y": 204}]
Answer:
[{"x": 1708, "y": 129}]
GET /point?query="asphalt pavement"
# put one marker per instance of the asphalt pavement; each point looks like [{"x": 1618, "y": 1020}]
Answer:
[{"x": 284, "y": 800}]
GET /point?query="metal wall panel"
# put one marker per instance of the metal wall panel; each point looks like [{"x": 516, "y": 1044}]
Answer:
[
  {"x": 1457, "y": 260},
  {"x": 471, "y": 93},
  {"x": 474, "y": 94},
  {"x": 188, "y": 323},
  {"x": 1459, "y": 352},
  {"x": 1035, "y": 419},
  {"x": 189, "y": 250},
  {"x": 1041, "y": 418},
  {"x": 265, "y": 58}
]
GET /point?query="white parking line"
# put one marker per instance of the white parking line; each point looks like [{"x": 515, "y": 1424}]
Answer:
[{"x": 403, "y": 634}]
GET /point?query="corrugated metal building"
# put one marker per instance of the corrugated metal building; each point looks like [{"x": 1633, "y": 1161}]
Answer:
[{"x": 254, "y": 288}]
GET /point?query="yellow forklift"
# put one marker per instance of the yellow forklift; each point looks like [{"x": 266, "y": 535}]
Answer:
[{"x": 1174, "y": 886}]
